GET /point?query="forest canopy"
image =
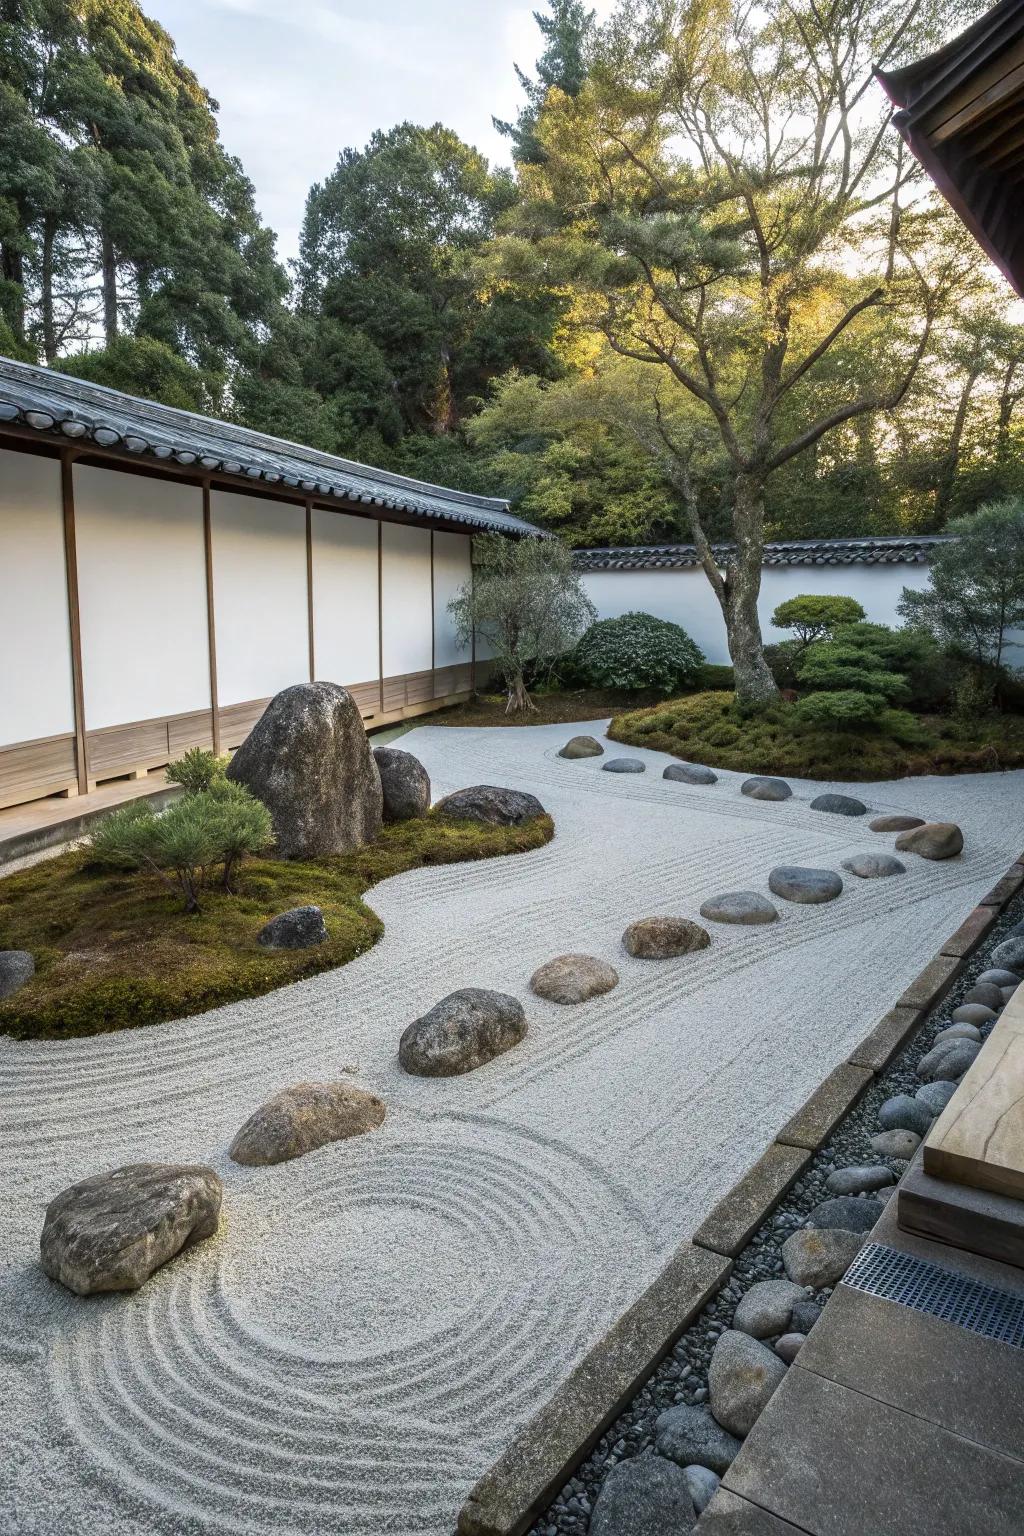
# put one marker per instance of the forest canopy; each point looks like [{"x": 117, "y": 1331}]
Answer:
[{"x": 711, "y": 284}]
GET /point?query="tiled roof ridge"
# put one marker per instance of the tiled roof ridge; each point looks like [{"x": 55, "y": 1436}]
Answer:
[
  {"x": 897, "y": 549},
  {"x": 52, "y": 402}
]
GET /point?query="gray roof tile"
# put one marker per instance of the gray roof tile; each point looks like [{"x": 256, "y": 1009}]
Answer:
[{"x": 912, "y": 550}]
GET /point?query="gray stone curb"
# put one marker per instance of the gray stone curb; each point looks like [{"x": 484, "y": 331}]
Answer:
[
  {"x": 523, "y": 1481},
  {"x": 815, "y": 1121},
  {"x": 737, "y": 1216}
]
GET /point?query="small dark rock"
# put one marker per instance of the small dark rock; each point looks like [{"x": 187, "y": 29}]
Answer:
[
  {"x": 809, "y": 886},
  {"x": 16, "y": 967},
  {"x": 581, "y": 746},
  {"x": 690, "y": 773},
  {"x": 855, "y": 1181},
  {"x": 645, "y": 1496},
  {"x": 301, "y": 928},
  {"x": 895, "y": 823},
  {"x": 805, "y": 1315},
  {"x": 687, "y": 1435},
  {"x": 763, "y": 788},
  {"x": 986, "y": 993},
  {"x": 664, "y": 938},
  {"x": 624, "y": 765},
  {"x": 748, "y": 908},
  {"x": 874, "y": 866},
  {"x": 839, "y": 805},
  {"x": 844, "y": 1213},
  {"x": 491, "y": 806},
  {"x": 902, "y": 1113},
  {"x": 1009, "y": 955}
]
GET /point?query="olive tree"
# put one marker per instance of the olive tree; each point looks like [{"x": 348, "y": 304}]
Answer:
[{"x": 527, "y": 603}]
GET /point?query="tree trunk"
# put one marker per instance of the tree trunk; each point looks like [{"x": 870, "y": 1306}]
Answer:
[
  {"x": 519, "y": 701},
  {"x": 13, "y": 273},
  {"x": 1007, "y": 401},
  {"x": 46, "y": 291},
  {"x": 756, "y": 688},
  {"x": 109, "y": 268},
  {"x": 951, "y": 459}
]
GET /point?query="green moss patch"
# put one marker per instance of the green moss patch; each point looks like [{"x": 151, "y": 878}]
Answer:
[
  {"x": 114, "y": 951},
  {"x": 707, "y": 728}
]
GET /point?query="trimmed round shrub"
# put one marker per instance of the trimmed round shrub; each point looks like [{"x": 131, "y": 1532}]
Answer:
[
  {"x": 816, "y": 614},
  {"x": 840, "y": 709},
  {"x": 638, "y": 651}
]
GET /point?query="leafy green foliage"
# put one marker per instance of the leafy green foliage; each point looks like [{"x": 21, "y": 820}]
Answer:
[
  {"x": 527, "y": 603},
  {"x": 637, "y": 650},
  {"x": 816, "y": 616},
  {"x": 843, "y": 707},
  {"x": 196, "y": 769},
  {"x": 891, "y": 665},
  {"x": 709, "y": 728},
  {"x": 112, "y": 952}
]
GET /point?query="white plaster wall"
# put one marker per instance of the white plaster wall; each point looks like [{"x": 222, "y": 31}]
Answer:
[
  {"x": 142, "y": 594},
  {"x": 36, "y": 693},
  {"x": 452, "y": 570},
  {"x": 685, "y": 596},
  {"x": 406, "y": 609},
  {"x": 346, "y": 613},
  {"x": 260, "y": 596}
]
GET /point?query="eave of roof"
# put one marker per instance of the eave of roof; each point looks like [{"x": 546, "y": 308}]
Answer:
[
  {"x": 57, "y": 405},
  {"x": 866, "y": 551},
  {"x": 960, "y": 114}
]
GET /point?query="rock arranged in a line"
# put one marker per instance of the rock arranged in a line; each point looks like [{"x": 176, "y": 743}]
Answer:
[
  {"x": 874, "y": 866},
  {"x": 932, "y": 840},
  {"x": 763, "y": 788},
  {"x": 897, "y": 823},
  {"x": 463, "y": 1031},
  {"x": 808, "y": 886},
  {"x": 111, "y": 1231},
  {"x": 664, "y": 938},
  {"x": 581, "y": 746},
  {"x": 571, "y": 979},
  {"x": 624, "y": 765},
  {"x": 745, "y": 908},
  {"x": 839, "y": 805},
  {"x": 690, "y": 773},
  {"x": 304, "y": 1118}
]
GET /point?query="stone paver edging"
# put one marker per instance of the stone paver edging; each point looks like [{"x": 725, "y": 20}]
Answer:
[{"x": 548, "y": 1449}]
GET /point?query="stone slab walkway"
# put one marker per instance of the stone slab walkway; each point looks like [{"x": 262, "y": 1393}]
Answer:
[{"x": 375, "y": 1321}]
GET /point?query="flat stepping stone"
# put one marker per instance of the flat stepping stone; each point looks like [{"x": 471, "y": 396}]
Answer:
[
  {"x": 463, "y": 1031},
  {"x": 111, "y": 1231},
  {"x": 932, "y": 840},
  {"x": 581, "y": 746},
  {"x": 302, "y": 1119},
  {"x": 624, "y": 765},
  {"x": 762, "y": 788},
  {"x": 895, "y": 823},
  {"x": 690, "y": 773},
  {"x": 809, "y": 886},
  {"x": 748, "y": 908},
  {"x": 839, "y": 805},
  {"x": 572, "y": 979},
  {"x": 663, "y": 938},
  {"x": 874, "y": 866}
]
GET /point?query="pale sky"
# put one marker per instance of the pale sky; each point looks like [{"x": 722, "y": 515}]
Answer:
[{"x": 298, "y": 80}]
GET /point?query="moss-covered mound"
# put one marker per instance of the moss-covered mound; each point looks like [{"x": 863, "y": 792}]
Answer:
[
  {"x": 115, "y": 950},
  {"x": 707, "y": 728}
]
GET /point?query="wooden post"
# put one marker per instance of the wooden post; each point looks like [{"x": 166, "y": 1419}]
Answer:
[
  {"x": 472, "y": 627},
  {"x": 74, "y": 619},
  {"x": 211, "y": 631},
  {"x": 433, "y": 626},
  {"x": 380, "y": 609},
  {"x": 309, "y": 589}
]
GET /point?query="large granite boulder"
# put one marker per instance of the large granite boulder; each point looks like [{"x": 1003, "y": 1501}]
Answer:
[
  {"x": 463, "y": 1031},
  {"x": 934, "y": 840},
  {"x": 743, "y": 1375},
  {"x": 16, "y": 967},
  {"x": 491, "y": 806},
  {"x": 804, "y": 885},
  {"x": 307, "y": 758},
  {"x": 573, "y": 978},
  {"x": 111, "y": 1231},
  {"x": 298, "y": 928},
  {"x": 303, "y": 1118},
  {"x": 405, "y": 784},
  {"x": 644, "y": 1496},
  {"x": 663, "y": 938},
  {"x": 581, "y": 746}
]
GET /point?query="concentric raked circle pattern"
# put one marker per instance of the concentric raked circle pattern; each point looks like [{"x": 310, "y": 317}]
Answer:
[{"x": 343, "y": 1364}]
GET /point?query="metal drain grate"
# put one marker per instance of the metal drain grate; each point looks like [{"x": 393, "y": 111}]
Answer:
[{"x": 912, "y": 1282}]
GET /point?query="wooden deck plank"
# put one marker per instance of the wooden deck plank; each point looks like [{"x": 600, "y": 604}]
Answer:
[{"x": 979, "y": 1137}]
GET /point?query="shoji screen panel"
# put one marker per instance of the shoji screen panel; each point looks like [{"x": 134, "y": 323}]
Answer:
[
  {"x": 407, "y": 611},
  {"x": 346, "y": 610},
  {"x": 452, "y": 571},
  {"x": 260, "y": 596}
]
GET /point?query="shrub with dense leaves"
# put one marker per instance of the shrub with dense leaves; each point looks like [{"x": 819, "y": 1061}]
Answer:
[
  {"x": 845, "y": 706},
  {"x": 816, "y": 615},
  {"x": 888, "y": 665},
  {"x": 637, "y": 651},
  {"x": 196, "y": 769}
]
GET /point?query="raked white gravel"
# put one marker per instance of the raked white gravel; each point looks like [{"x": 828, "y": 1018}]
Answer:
[{"x": 375, "y": 1320}]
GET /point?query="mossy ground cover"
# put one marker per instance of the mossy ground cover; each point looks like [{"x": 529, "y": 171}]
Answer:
[
  {"x": 707, "y": 728},
  {"x": 555, "y": 708},
  {"x": 115, "y": 950}
]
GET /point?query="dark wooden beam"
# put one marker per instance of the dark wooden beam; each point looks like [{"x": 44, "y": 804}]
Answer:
[
  {"x": 309, "y": 589},
  {"x": 74, "y": 617},
  {"x": 380, "y": 610}
]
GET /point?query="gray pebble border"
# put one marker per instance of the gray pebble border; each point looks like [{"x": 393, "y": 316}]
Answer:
[{"x": 682, "y": 1377}]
